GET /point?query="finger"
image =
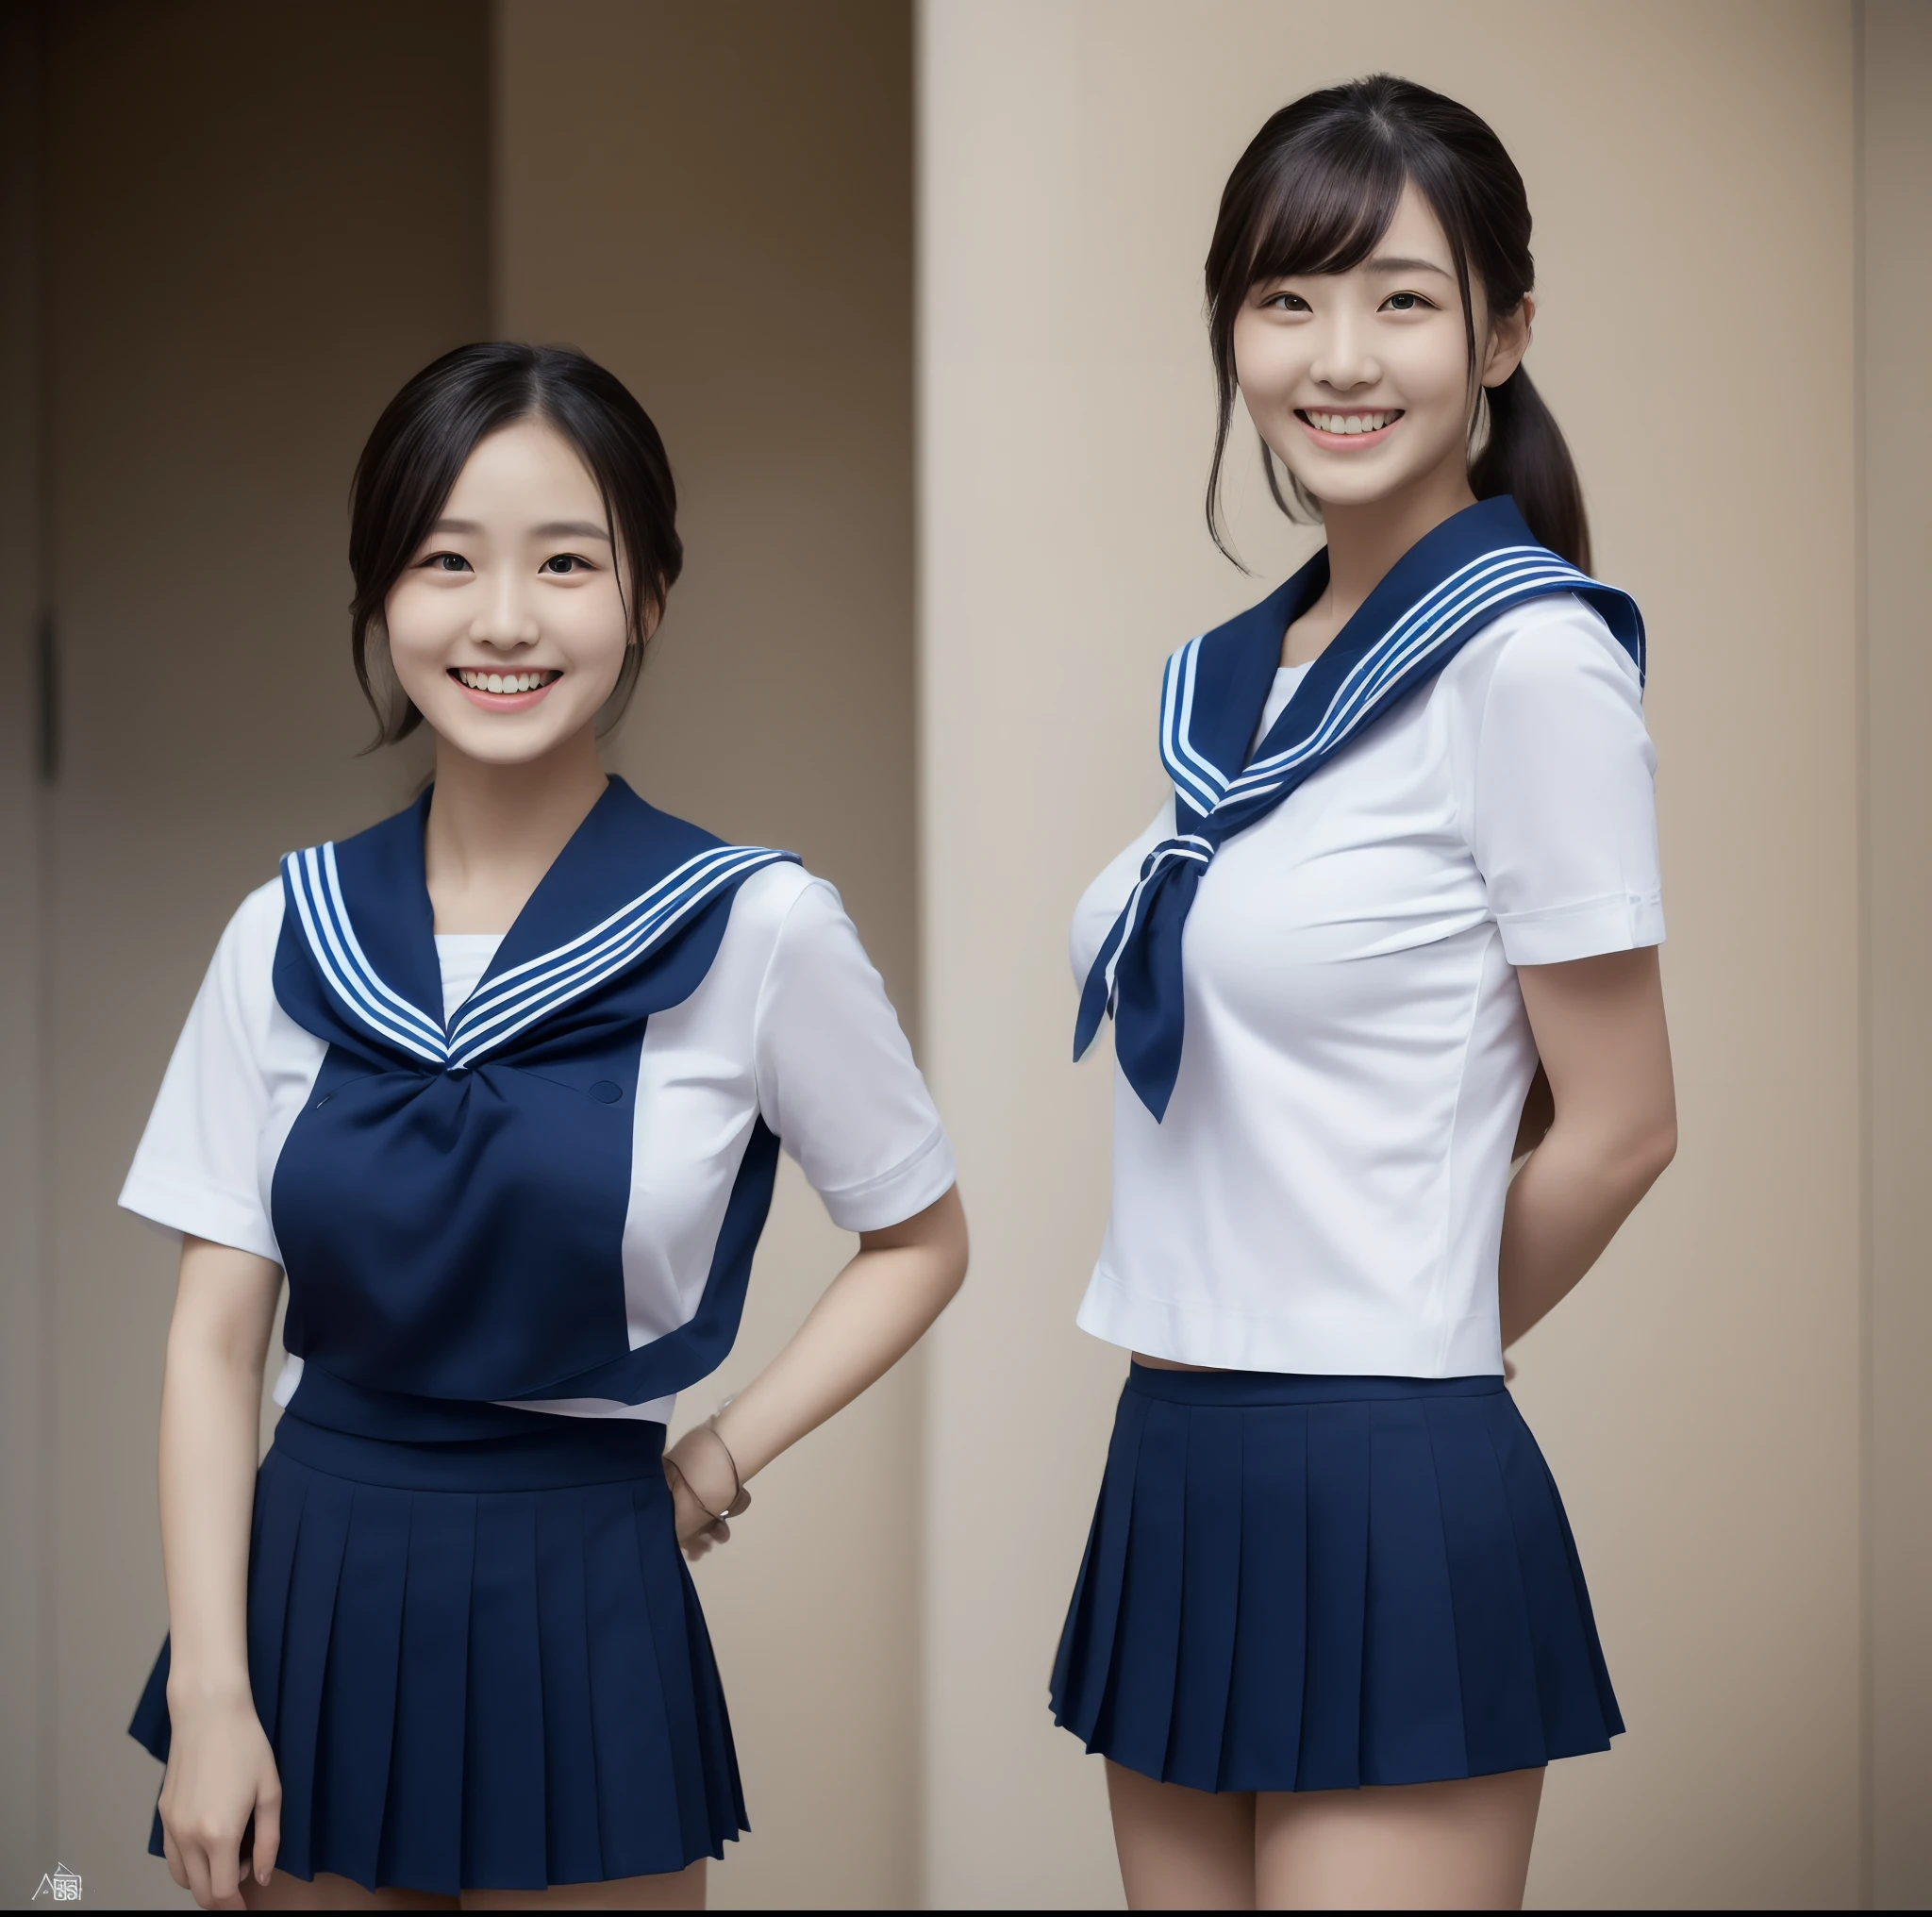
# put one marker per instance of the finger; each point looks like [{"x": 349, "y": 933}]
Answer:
[
  {"x": 268, "y": 1834},
  {"x": 171, "y": 1851},
  {"x": 194, "y": 1861},
  {"x": 224, "y": 1873}
]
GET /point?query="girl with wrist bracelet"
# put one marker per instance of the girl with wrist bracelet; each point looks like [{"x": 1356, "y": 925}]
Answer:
[{"x": 500, "y": 1085}]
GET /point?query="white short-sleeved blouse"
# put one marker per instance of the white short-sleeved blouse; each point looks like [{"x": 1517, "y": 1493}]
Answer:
[
  {"x": 1326, "y": 1192},
  {"x": 791, "y": 1025}
]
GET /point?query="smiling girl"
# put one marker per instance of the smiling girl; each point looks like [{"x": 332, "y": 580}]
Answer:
[
  {"x": 1331, "y": 1623},
  {"x": 500, "y": 1085}
]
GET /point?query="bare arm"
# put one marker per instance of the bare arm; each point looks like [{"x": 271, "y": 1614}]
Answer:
[
  {"x": 1599, "y": 1024},
  {"x": 220, "y": 1770},
  {"x": 871, "y": 1314}
]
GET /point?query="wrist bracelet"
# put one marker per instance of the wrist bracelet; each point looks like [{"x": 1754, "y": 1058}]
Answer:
[{"x": 740, "y": 1499}]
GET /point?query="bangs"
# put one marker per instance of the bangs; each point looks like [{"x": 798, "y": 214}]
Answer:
[{"x": 1322, "y": 207}]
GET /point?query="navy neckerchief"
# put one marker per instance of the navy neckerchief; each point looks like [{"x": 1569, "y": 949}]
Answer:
[
  {"x": 1438, "y": 596},
  {"x": 601, "y": 937}
]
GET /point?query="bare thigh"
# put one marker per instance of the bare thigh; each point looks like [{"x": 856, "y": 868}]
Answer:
[
  {"x": 674, "y": 1891},
  {"x": 1460, "y": 1846},
  {"x": 331, "y": 1893},
  {"x": 1182, "y": 1849}
]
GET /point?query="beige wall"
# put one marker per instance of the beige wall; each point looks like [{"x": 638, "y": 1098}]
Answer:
[
  {"x": 1896, "y": 167},
  {"x": 1693, "y": 174},
  {"x": 256, "y": 225},
  {"x": 717, "y": 202}
]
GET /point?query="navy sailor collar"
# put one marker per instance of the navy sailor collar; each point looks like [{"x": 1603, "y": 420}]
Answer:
[
  {"x": 1453, "y": 582},
  {"x": 612, "y": 906}
]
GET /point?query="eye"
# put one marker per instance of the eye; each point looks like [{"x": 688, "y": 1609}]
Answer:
[
  {"x": 560, "y": 565},
  {"x": 1287, "y": 303},
  {"x": 447, "y": 563},
  {"x": 1406, "y": 303}
]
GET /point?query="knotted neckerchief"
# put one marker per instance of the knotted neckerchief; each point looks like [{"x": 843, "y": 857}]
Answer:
[{"x": 1439, "y": 595}]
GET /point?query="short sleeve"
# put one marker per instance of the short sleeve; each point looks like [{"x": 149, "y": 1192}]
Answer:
[
  {"x": 197, "y": 1169},
  {"x": 835, "y": 1076},
  {"x": 1563, "y": 793}
]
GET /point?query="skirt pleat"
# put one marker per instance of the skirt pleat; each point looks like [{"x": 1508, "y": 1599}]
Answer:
[
  {"x": 505, "y": 1836},
  {"x": 359, "y": 1700},
  {"x": 564, "y": 1644},
  {"x": 421, "y": 1846},
  {"x": 1267, "y": 1682},
  {"x": 1086, "y": 1653},
  {"x": 314, "y": 1584},
  {"x": 480, "y": 1666},
  {"x": 1309, "y": 1584}
]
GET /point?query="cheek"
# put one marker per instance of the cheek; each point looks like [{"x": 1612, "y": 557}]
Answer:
[
  {"x": 1268, "y": 363},
  {"x": 1431, "y": 370},
  {"x": 418, "y": 622}
]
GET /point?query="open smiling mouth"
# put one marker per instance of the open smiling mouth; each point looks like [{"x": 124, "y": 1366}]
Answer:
[
  {"x": 502, "y": 685},
  {"x": 1360, "y": 423}
]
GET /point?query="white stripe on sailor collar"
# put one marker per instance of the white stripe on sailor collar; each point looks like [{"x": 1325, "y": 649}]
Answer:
[
  {"x": 1434, "y": 618},
  {"x": 545, "y": 984}
]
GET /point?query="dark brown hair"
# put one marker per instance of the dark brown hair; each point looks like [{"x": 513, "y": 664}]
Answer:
[
  {"x": 1316, "y": 190},
  {"x": 429, "y": 430}
]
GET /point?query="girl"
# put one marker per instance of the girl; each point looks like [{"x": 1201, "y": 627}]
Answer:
[
  {"x": 1331, "y": 1626},
  {"x": 500, "y": 1084}
]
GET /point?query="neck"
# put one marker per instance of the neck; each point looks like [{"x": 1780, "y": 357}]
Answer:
[
  {"x": 1365, "y": 541},
  {"x": 494, "y": 830}
]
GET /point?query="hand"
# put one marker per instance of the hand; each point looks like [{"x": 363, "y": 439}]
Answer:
[
  {"x": 221, "y": 1774},
  {"x": 697, "y": 1531},
  {"x": 703, "y": 1477}
]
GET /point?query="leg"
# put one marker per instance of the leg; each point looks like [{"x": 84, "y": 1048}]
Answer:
[
  {"x": 331, "y": 1893},
  {"x": 1460, "y": 1846},
  {"x": 1182, "y": 1849},
  {"x": 674, "y": 1891}
]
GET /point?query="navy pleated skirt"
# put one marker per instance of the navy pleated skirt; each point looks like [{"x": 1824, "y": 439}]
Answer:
[
  {"x": 1299, "y": 1583},
  {"x": 481, "y": 1664}
]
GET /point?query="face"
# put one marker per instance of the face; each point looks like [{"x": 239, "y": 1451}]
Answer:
[
  {"x": 1360, "y": 380},
  {"x": 507, "y": 627}
]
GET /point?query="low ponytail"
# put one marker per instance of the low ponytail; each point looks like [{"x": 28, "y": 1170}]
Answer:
[{"x": 1524, "y": 456}]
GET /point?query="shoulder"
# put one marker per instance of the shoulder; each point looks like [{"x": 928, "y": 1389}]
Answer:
[
  {"x": 783, "y": 918},
  {"x": 1555, "y": 650},
  {"x": 247, "y": 945}
]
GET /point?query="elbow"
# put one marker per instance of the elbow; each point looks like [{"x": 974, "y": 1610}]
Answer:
[{"x": 1647, "y": 1152}]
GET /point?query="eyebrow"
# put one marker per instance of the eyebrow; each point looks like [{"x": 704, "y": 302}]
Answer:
[
  {"x": 1396, "y": 263},
  {"x": 556, "y": 528}
]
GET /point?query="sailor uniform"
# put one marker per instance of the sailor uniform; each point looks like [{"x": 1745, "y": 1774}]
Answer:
[
  {"x": 1322, "y": 1055},
  {"x": 516, "y": 1186}
]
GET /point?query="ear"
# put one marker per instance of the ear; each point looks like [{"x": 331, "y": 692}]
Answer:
[{"x": 1509, "y": 342}]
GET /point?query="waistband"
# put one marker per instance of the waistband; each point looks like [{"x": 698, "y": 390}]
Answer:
[
  {"x": 1234, "y": 1390},
  {"x": 573, "y": 1451}
]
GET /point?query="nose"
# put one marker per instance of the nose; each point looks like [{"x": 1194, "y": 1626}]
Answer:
[
  {"x": 1345, "y": 359},
  {"x": 506, "y": 618}
]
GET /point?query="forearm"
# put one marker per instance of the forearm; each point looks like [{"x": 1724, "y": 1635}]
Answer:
[
  {"x": 210, "y": 1411},
  {"x": 871, "y": 1314},
  {"x": 1564, "y": 1207}
]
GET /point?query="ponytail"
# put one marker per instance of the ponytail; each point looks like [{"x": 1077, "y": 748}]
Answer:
[{"x": 1524, "y": 456}]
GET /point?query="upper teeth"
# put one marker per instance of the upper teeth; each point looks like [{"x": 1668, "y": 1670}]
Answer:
[
  {"x": 502, "y": 682},
  {"x": 1351, "y": 421}
]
